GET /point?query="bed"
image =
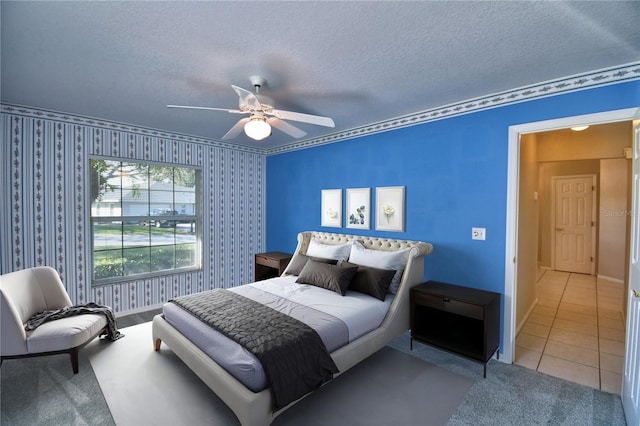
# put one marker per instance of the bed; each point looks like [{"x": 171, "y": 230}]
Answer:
[{"x": 247, "y": 396}]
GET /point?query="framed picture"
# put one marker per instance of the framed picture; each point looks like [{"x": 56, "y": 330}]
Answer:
[
  {"x": 390, "y": 208},
  {"x": 331, "y": 214},
  {"x": 358, "y": 208}
]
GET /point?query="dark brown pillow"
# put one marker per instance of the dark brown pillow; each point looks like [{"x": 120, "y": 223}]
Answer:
[
  {"x": 298, "y": 262},
  {"x": 324, "y": 275},
  {"x": 372, "y": 281}
]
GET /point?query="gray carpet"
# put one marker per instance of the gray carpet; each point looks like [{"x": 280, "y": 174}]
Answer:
[
  {"x": 44, "y": 391},
  {"x": 514, "y": 395},
  {"x": 390, "y": 387}
]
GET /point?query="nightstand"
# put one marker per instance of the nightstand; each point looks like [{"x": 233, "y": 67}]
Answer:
[
  {"x": 271, "y": 264},
  {"x": 461, "y": 320}
]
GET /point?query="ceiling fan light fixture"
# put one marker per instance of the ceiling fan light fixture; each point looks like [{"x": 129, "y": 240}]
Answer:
[{"x": 257, "y": 128}]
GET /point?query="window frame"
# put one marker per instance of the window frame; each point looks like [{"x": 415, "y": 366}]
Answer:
[{"x": 196, "y": 217}]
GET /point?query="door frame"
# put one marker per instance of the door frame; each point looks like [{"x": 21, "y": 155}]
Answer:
[
  {"x": 592, "y": 267},
  {"x": 630, "y": 392},
  {"x": 513, "y": 184}
]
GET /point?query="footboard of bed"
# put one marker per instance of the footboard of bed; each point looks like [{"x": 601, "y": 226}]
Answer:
[
  {"x": 255, "y": 408},
  {"x": 251, "y": 408}
]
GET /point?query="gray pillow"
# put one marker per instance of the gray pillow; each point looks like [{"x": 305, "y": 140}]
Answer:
[
  {"x": 298, "y": 262},
  {"x": 372, "y": 281},
  {"x": 332, "y": 277}
]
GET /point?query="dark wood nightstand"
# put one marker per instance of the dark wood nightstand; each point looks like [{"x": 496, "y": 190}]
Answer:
[
  {"x": 271, "y": 264},
  {"x": 461, "y": 320}
]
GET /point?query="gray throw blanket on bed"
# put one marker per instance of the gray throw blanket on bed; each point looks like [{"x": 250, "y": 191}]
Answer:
[
  {"x": 89, "y": 308},
  {"x": 292, "y": 354}
]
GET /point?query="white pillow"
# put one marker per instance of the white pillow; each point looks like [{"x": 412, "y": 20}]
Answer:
[
  {"x": 396, "y": 260},
  {"x": 328, "y": 251}
]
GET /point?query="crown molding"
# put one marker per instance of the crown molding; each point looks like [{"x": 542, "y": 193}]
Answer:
[
  {"x": 590, "y": 80},
  {"x": 117, "y": 126},
  {"x": 574, "y": 83}
]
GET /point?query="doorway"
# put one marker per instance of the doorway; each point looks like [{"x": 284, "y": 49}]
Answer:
[
  {"x": 514, "y": 259},
  {"x": 570, "y": 323},
  {"x": 516, "y": 265}
]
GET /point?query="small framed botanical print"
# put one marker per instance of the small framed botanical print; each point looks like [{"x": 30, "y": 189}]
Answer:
[
  {"x": 358, "y": 208},
  {"x": 390, "y": 208},
  {"x": 331, "y": 205}
]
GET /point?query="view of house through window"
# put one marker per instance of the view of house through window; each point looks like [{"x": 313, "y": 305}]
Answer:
[{"x": 144, "y": 219}]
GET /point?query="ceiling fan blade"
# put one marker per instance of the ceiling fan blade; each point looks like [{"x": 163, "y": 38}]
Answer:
[
  {"x": 233, "y": 111},
  {"x": 248, "y": 98},
  {"x": 236, "y": 129},
  {"x": 304, "y": 118},
  {"x": 286, "y": 127}
]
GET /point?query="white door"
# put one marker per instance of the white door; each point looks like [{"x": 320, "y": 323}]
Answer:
[
  {"x": 631, "y": 379},
  {"x": 573, "y": 223}
]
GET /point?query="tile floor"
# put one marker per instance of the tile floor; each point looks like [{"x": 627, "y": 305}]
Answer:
[{"x": 576, "y": 331}]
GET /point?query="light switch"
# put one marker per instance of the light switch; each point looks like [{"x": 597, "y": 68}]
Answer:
[{"x": 478, "y": 233}]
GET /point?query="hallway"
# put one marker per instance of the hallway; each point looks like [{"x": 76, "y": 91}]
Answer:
[{"x": 576, "y": 331}]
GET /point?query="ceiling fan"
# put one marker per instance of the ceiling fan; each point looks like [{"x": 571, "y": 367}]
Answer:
[{"x": 262, "y": 115}]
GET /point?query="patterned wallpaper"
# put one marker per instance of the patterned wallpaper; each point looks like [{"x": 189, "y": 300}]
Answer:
[{"x": 44, "y": 219}]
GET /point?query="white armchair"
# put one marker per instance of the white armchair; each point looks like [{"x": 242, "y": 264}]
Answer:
[{"x": 28, "y": 292}]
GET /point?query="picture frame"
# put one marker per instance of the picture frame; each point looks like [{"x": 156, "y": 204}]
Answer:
[
  {"x": 390, "y": 208},
  {"x": 358, "y": 214},
  {"x": 331, "y": 208}
]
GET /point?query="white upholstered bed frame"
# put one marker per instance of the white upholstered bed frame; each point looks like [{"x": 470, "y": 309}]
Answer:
[{"x": 256, "y": 408}]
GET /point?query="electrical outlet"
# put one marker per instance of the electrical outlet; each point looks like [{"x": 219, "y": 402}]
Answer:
[{"x": 478, "y": 233}]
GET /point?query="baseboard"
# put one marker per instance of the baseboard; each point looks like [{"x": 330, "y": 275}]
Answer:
[
  {"x": 138, "y": 310},
  {"x": 615, "y": 280}
]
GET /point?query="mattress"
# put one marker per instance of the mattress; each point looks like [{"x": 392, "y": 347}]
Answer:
[{"x": 359, "y": 314}]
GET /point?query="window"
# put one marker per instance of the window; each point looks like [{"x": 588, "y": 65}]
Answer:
[{"x": 144, "y": 219}]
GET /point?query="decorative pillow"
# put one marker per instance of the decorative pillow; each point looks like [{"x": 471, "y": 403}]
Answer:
[
  {"x": 372, "y": 281},
  {"x": 331, "y": 277},
  {"x": 298, "y": 262},
  {"x": 395, "y": 260},
  {"x": 328, "y": 251}
]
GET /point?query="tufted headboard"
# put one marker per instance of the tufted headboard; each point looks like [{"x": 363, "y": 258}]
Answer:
[
  {"x": 372, "y": 243},
  {"x": 419, "y": 249},
  {"x": 396, "y": 321}
]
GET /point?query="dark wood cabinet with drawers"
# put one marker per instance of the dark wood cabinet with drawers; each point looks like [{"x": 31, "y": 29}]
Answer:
[
  {"x": 271, "y": 264},
  {"x": 461, "y": 320}
]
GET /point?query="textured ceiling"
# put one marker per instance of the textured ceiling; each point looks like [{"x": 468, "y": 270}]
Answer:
[{"x": 357, "y": 62}]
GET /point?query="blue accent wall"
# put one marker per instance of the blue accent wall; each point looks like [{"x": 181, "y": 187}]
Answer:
[{"x": 455, "y": 176}]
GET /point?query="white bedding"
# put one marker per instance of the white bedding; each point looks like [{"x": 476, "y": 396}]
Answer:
[{"x": 359, "y": 312}]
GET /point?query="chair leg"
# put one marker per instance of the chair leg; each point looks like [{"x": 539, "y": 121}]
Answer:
[{"x": 73, "y": 353}]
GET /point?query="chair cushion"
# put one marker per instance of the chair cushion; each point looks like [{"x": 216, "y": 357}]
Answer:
[{"x": 64, "y": 333}]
